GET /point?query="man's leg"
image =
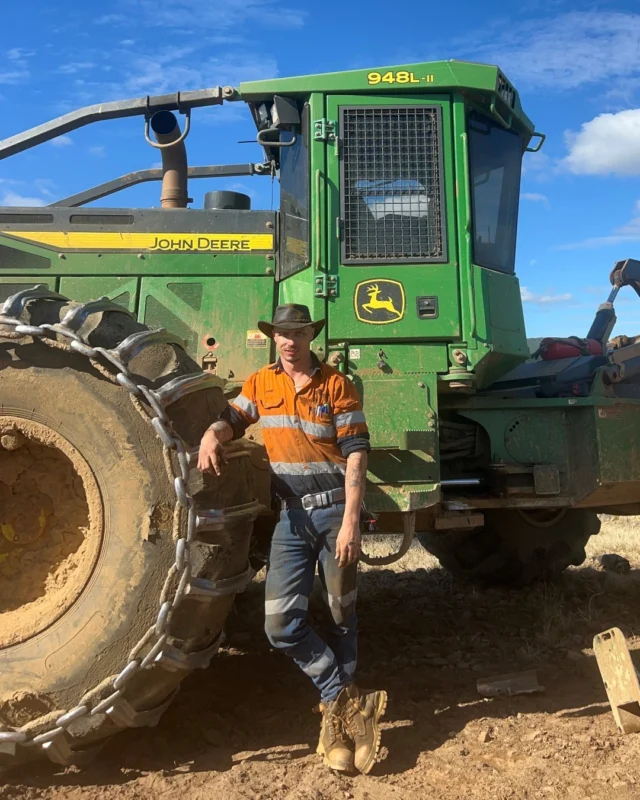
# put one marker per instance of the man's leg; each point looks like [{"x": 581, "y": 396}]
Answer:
[
  {"x": 340, "y": 592},
  {"x": 290, "y": 576},
  {"x": 291, "y": 570},
  {"x": 359, "y": 712}
]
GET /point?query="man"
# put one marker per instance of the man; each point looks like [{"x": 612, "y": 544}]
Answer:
[{"x": 316, "y": 437}]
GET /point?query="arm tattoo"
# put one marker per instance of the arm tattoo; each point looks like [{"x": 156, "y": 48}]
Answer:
[
  {"x": 356, "y": 469},
  {"x": 355, "y": 481}
]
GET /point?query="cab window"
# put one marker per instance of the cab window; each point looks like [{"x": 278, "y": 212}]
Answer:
[
  {"x": 495, "y": 161},
  {"x": 294, "y": 200}
]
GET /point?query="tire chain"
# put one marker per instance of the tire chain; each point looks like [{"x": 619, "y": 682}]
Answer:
[{"x": 156, "y": 637}]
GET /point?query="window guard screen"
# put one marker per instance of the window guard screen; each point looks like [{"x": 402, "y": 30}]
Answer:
[{"x": 392, "y": 184}]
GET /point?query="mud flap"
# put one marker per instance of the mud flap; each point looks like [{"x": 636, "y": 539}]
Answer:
[{"x": 620, "y": 677}]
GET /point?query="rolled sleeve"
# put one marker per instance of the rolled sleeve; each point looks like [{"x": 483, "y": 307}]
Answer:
[
  {"x": 354, "y": 444},
  {"x": 243, "y": 410},
  {"x": 349, "y": 420},
  {"x": 237, "y": 422}
]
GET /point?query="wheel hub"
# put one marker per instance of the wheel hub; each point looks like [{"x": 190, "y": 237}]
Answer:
[{"x": 50, "y": 527}]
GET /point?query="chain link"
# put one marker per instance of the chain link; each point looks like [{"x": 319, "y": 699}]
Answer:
[{"x": 118, "y": 359}]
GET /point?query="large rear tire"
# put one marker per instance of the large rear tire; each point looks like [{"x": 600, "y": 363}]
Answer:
[
  {"x": 515, "y": 547},
  {"x": 91, "y": 525}
]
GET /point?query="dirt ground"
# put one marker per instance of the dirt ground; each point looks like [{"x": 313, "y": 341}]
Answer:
[{"x": 244, "y": 727}]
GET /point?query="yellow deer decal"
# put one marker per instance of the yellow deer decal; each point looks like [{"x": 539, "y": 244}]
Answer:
[{"x": 374, "y": 291}]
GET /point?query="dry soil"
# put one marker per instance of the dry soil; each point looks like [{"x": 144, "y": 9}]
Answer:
[{"x": 244, "y": 727}]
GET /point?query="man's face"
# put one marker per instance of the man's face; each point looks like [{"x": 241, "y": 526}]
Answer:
[{"x": 293, "y": 345}]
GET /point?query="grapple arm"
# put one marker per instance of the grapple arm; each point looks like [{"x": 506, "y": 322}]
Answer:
[{"x": 626, "y": 273}]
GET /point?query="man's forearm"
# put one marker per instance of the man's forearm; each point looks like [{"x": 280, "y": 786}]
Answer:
[
  {"x": 355, "y": 482},
  {"x": 221, "y": 430}
]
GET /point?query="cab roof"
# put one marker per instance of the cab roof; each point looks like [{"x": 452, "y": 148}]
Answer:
[{"x": 484, "y": 82}]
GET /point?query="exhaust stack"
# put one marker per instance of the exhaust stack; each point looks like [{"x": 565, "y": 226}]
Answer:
[{"x": 174, "y": 160}]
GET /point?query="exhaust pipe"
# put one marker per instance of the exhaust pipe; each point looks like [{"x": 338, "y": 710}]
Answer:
[{"x": 174, "y": 160}]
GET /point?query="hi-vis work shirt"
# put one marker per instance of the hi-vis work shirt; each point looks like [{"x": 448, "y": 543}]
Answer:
[{"x": 308, "y": 434}]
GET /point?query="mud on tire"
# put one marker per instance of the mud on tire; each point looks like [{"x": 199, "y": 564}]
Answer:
[
  {"x": 515, "y": 547},
  {"x": 89, "y": 526}
]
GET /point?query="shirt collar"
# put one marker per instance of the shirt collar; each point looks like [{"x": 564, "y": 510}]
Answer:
[{"x": 315, "y": 361}]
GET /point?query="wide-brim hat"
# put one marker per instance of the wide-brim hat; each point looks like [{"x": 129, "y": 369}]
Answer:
[{"x": 291, "y": 317}]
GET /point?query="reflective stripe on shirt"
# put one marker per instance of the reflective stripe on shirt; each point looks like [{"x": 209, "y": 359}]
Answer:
[
  {"x": 306, "y": 468},
  {"x": 246, "y": 405},
  {"x": 350, "y": 418},
  {"x": 286, "y": 421}
]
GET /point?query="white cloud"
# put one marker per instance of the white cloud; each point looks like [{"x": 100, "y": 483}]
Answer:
[
  {"x": 629, "y": 232},
  {"x": 75, "y": 66},
  {"x": 564, "y": 51},
  {"x": 632, "y": 227},
  {"x": 62, "y": 141},
  {"x": 19, "y": 53},
  {"x": 180, "y": 68},
  {"x": 608, "y": 144},
  {"x": 543, "y": 299},
  {"x": 14, "y": 76},
  {"x": 45, "y": 186},
  {"x": 11, "y": 198},
  {"x": 98, "y": 150},
  {"x": 110, "y": 19},
  {"x": 239, "y": 186},
  {"x": 217, "y": 15},
  {"x": 185, "y": 63},
  {"x": 538, "y": 166},
  {"x": 535, "y": 197},
  {"x": 599, "y": 241}
]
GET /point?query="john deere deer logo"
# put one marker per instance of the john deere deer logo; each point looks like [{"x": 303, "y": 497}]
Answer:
[{"x": 379, "y": 302}]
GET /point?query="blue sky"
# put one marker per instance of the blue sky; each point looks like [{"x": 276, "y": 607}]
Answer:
[{"x": 576, "y": 65}]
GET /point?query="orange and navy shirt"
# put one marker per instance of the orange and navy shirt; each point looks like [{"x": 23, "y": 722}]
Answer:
[{"x": 308, "y": 433}]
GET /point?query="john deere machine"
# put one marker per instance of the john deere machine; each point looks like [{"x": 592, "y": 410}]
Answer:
[{"x": 124, "y": 331}]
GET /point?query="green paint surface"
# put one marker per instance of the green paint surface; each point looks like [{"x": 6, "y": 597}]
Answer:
[{"x": 404, "y": 368}]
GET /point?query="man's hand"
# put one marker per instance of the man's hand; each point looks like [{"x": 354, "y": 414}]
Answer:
[
  {"x": 211, "y": 455},
  {"x": 348, "y": 543}
]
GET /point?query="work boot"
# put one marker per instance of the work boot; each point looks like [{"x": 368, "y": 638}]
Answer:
[
  {"x": 361, "y": 716},
  {"x": 334, "y": 745}
]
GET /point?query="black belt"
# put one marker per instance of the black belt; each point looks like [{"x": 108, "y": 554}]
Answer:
[{"x": 311, "y": 501}]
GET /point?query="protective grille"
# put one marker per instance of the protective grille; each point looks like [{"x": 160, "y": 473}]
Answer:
[{"x": 392, "y": 184}]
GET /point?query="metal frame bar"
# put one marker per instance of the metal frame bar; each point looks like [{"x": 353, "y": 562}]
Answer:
[
  {"x": 141, "y": 106},
  {"x": 145, "y": 175}
]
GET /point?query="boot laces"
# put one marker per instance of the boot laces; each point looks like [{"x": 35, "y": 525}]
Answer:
[
  {"x": 333, "y": 723},
  {"x": 353, "y": 713}
]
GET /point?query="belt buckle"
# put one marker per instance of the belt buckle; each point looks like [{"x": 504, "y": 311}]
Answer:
[{"x": 308, "y": 502}]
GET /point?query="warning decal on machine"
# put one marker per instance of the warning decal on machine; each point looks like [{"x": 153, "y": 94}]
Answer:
[{"x": 257, "y": 339}]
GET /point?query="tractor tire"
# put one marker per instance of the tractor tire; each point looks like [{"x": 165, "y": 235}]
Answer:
[
  {"x": 513, "y": 547},
  {"x": 89, "y": 531}
]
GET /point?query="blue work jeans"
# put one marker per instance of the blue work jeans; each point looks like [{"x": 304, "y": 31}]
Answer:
[{"x": 301, "y": 540}]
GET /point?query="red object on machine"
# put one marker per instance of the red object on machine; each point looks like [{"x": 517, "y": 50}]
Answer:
[{"x": 551, "y": 348}]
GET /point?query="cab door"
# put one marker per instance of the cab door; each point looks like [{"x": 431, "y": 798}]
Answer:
[{"x": 391, "y": 219}]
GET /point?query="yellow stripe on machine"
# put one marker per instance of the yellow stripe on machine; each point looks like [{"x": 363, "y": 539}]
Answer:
[{"x": 154, "y": 242}]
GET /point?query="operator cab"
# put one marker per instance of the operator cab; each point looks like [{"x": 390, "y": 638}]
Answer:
[{"x": 399, "y": 193}]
